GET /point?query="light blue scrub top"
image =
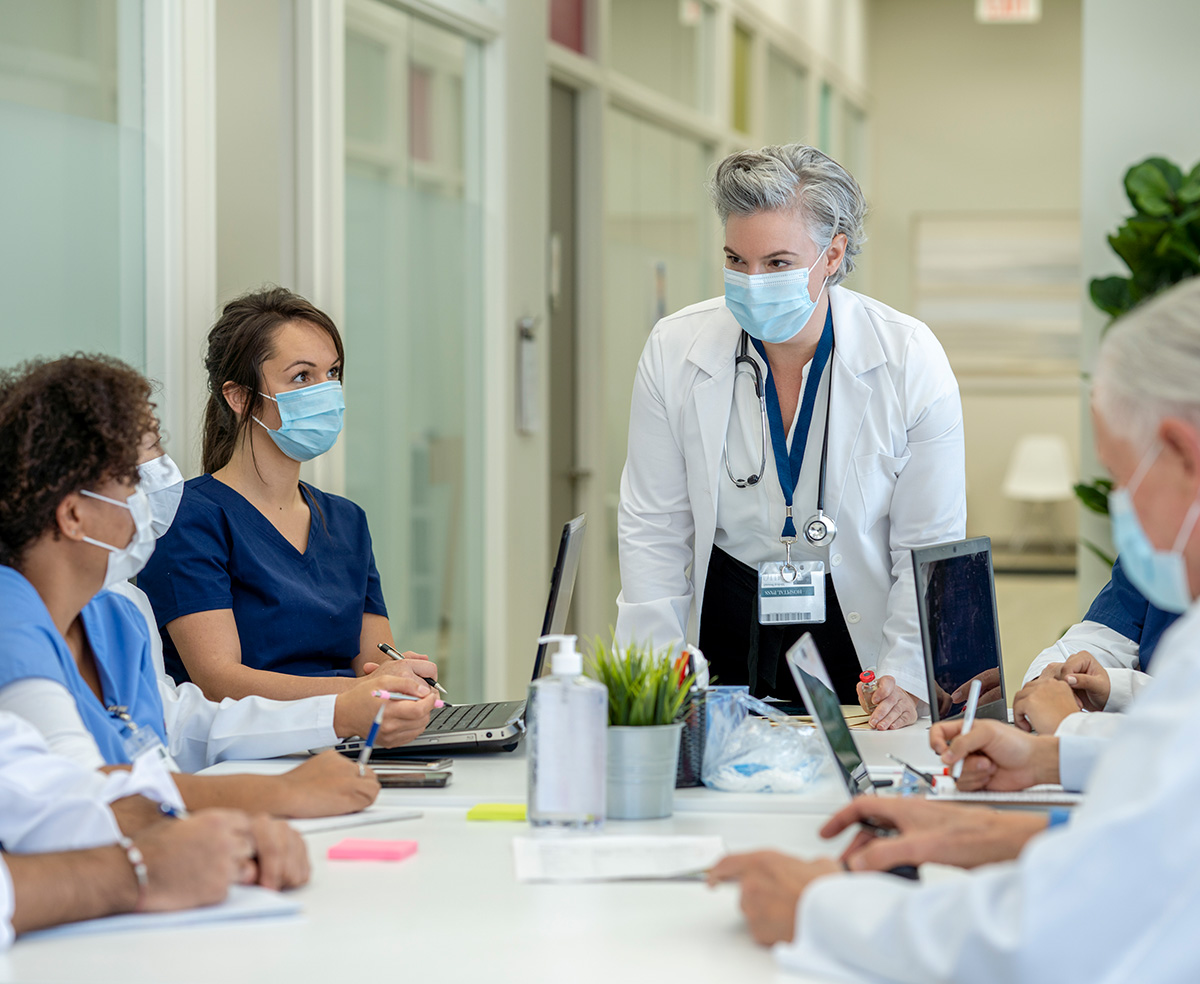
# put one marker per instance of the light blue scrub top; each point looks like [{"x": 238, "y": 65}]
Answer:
[{"x": 32, "y": 646}]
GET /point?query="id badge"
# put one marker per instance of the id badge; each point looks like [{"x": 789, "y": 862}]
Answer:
[
  {"x": 791, "y": 593},
  {"x": 143, "y": 741}
]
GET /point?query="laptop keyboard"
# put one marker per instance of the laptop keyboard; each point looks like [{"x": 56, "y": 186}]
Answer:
[{"x": 469, "y": 717}]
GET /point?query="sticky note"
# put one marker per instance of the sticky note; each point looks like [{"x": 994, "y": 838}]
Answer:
[
  {"x": 358, "y": 849},
  {"x": 497, "y": 811}
]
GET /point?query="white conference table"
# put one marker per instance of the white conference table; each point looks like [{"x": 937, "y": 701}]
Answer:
[{"x": 455, "y": 912}]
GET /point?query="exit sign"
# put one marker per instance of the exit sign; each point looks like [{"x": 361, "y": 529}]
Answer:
[{"x": 1008, "y": 11}]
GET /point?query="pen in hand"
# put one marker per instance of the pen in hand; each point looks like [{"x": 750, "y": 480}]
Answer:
[
  {"x": 968, "y": 721},
  {"x": 396, "y": 654},
  {"x": 365, "y": 755}
]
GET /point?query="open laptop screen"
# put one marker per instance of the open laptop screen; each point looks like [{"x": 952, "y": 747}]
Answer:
[
  {"x": 956, "y": 605},
  {"x": 562, "y": 586},
  {"x": 812, "y": 680}
]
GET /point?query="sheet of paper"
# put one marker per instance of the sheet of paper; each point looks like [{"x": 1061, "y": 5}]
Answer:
[
  {"x": 372, "y": 814},
  {"x": 598, "y": 858},
  {"x": 244, "y": 902}
]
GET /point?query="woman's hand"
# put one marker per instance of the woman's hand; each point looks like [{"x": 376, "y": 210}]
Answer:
[
  {"x": 772, "y": 884},
  {"x": 996, "y": 756},
  {"x": 413, "y": 665},
  {"x": 944, "y": 833},
  {"x": 327, "y": 785},
  {"x": 1043, "y": 703},
  {"x": 403, "y": 720},
  {"x": 1089, "y": 679},
  {"x": 890, "y": 707}
]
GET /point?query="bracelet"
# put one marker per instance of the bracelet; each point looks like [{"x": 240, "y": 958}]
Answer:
[{"x": 137, "y": 861}]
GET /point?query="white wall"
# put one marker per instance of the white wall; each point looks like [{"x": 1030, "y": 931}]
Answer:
[
  {"x": 254, "y": 150},
  {"x": 972, "y": 118},
  {"x": 1140, "y": 81}
]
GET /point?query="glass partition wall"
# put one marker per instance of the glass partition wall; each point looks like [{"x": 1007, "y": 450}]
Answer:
[
  {"x": 413, "y": 326},
  {"x": 72, "y": 230}
]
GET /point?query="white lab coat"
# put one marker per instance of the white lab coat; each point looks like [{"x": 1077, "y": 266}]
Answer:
[
  {"x": 201, "y": 732},
  {"x": 1117, "y": 654},
  {"x": 1111, "y": 896},
  {"x": 49, "y": 803},
  {"x": 895, "y": 480}
]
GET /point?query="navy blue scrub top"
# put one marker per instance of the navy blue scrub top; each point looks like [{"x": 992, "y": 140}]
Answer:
[
  {"x": 1124, "y": 609},
  {"x": 298, "y": 613}
]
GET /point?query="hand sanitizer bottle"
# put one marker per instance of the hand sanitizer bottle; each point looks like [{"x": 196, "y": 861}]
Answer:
[{"x": 567, "y": 715}]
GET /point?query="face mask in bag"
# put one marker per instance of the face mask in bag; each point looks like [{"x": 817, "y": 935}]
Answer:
[
  {"x": 162, "y": 481},
  {"x": 771, "y": 307},
  {"x": 1160, "y": 575},
  {"x": 126, "y": 562},
  {"x": 310, "y": 420}
]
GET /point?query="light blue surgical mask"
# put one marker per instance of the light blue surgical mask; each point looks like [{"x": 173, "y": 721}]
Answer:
[
  {"x": 1160, "y": 575},
  {"x": 772, "y": 307},
  {"x": 310, "y": 420}
]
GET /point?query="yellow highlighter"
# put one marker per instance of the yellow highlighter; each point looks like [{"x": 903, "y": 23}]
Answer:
[{"x": 497, "y": 811}]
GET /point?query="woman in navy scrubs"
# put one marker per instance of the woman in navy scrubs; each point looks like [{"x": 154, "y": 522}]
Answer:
[{"x": 265, "y": 585}]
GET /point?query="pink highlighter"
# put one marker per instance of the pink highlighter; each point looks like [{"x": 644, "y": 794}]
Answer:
[{"x": 358, "y": 849}]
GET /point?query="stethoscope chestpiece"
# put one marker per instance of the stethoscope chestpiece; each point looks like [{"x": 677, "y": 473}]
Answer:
[{"x": 820, "y": 530}]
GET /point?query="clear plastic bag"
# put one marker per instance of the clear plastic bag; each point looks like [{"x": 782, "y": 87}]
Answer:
[{"x": 762, "y": 752}]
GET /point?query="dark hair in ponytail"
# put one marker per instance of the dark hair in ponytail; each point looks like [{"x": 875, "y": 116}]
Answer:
[{"x": 238, "y": 344}]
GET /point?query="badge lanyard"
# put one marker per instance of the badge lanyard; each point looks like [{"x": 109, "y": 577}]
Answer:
[
  {"x": 788, "y": 464},
  {"x": 791, "y": 593}
]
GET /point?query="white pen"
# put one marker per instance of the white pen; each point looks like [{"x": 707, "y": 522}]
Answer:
[{"x": 968, "y": 720}]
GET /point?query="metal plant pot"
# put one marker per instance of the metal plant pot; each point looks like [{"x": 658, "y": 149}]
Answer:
[{"x": 641, "y": 771}]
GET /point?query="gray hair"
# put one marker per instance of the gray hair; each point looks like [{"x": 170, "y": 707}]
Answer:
[
  {"x": 795, "y": 177},
  {"x": 1148, "y": 366}
]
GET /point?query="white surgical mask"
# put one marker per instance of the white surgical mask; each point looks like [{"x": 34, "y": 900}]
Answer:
[
  {"x": 127, "y": 561},
  {"x": 162, "y": 481}
]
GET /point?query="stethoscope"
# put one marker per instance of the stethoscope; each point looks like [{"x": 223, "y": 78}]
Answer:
[{"x": 820, "y": 529}]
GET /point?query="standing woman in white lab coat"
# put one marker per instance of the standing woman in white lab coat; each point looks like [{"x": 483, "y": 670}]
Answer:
[{"x": 791, "y": 375}]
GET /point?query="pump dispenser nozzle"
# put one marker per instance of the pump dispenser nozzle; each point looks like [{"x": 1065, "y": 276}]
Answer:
[{"x": 566, "y": 661}]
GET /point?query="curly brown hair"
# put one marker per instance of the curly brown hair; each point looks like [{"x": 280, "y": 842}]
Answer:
[{"x": 65, "y": 425}]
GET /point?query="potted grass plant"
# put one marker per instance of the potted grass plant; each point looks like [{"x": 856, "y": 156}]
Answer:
[{"x": 647, "y": 694}]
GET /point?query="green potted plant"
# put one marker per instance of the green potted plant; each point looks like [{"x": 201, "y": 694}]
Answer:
[
  {"x": 1160, "y": 243},
  {"x": 646, "y": 703}
]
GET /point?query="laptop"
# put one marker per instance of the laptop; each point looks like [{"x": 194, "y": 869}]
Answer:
[
  {"x": 815, "y": 686},
  {"x": 812, "y": 680},
  {"x": 960, "y": 633},
  {"x": 495, "y": 726}
]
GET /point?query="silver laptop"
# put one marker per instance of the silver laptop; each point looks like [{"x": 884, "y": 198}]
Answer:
[
  {"x": 960, "y": 633},
  {"x": 495, "y": 726},
  {"x": 812, "y": 680}
]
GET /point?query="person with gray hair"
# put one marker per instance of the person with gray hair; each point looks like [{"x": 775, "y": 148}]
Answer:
[
  {"x": 789, "y": 444},
  {"x": 1108, "y": 891}
]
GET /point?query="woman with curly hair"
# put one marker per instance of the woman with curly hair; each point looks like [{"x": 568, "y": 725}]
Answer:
[{"x": 75, "y": 659}]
